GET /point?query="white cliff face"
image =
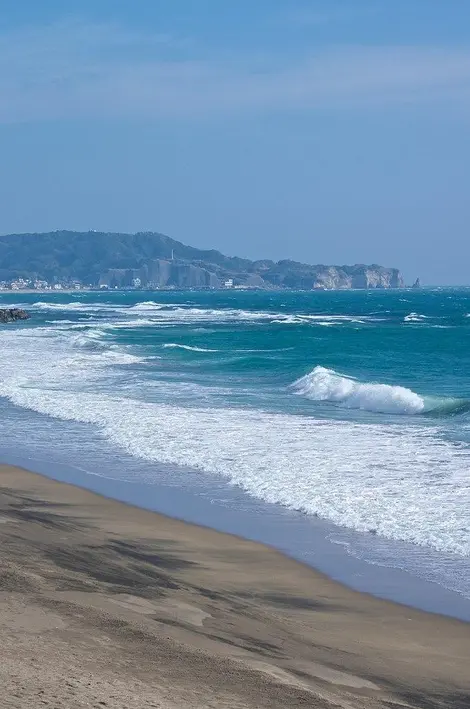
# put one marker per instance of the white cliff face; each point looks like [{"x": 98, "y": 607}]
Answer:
[
  {"x": 332, "y": 278},
  {"x": 378, "y": 278},
  {"x": 184, "y": 274},
  {"x": 363, "y": 277}
]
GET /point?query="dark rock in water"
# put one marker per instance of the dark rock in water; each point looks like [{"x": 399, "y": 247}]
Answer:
[
  {"x": 416, "y": 284},
  {"x": 12, "y": 314}
]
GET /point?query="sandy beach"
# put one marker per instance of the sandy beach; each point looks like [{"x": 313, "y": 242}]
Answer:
[{"x": 106, "y": 605}]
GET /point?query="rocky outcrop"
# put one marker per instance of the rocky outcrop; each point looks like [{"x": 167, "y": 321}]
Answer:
[
  {"x": 416, "y": 284},
  {"x": 12, "y": 314}
]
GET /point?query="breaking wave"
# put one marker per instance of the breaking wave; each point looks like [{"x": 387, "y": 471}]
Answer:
[{"x": 327, "y": 385}]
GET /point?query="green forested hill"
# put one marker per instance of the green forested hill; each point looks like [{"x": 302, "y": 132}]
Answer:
[{"x": 85, "y": 255}]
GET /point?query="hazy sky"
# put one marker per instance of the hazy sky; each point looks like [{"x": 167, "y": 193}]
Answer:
[{"x": 320, "y": 130}]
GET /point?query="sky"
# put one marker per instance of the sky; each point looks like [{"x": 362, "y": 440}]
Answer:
[{"x": 326, "y": 131}]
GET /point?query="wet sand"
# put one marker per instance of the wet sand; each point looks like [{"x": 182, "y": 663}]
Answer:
[{"x": 107, "y": 605}]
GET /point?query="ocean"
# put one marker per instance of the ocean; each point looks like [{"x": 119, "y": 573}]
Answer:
[{"x": 334, "y": 425}]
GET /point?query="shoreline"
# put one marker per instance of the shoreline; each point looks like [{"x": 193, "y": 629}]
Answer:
[
  {"x": 171, "y": 518},
  {"x": 316, "y": 543},
  {"x": 122, "y": 599}
]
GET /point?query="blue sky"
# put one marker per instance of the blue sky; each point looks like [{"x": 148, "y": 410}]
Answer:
[{"x": 325, "y": 131}]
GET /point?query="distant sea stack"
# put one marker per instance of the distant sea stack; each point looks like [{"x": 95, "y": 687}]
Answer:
[
  {"x": 416, "y": 284},
  {"x": 151, "y": 260},
  {"x": 12, "y": 314}
]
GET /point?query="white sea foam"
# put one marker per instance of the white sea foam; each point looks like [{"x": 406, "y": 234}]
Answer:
[
  {"x": 338, "y": 318},
  {"x": 89, "y": 338},
  {"x": 173, "y": 314},
  {"x": 301, "y": 320},
  {"x": 159, "y": 312},
  {"x": 286, "y": 320},
  {"x": 327, "y": 385},
  {"x": 147, "y": 305},
  {"x": 324, "y": 320},
  {"x": 61, "y": 322},
  {"x": 402, "y": 482},
  {"x": 177, "y": 315},
  {"x": 123, "y": 324},
  {"x": 414, "y": 317},
  {"x": 175, "y": 345},
  {"x": 74, "y": 306},
  {"x": 371, "y": 478}
]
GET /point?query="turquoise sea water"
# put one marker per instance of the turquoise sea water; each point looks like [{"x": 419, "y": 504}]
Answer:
[{"x": 349, "y": 407}]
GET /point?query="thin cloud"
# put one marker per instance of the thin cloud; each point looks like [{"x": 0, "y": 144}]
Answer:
[{"x": 77, "y": 70}]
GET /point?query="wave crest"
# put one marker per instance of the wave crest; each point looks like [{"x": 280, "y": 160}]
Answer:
[
  {"x": 327, "y": 385},
  {"x": 323, "y": 384}
]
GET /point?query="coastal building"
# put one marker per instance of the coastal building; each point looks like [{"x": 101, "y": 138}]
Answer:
[{"x": 20, "y": 284}]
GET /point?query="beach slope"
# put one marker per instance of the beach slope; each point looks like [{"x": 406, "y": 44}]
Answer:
[{"x": 107, "y": 605}]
